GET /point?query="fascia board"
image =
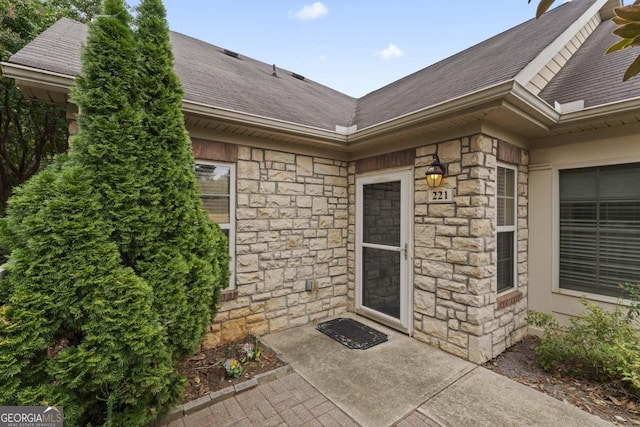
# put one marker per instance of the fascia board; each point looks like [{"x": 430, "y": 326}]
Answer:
[
  {"x": 482, "y": 96},
  {"x": 38, "y": 77},
  {"x": 548, "y": 53},
  {"x": 262, "y": 122},
  {"x": 600, "y": 112}
]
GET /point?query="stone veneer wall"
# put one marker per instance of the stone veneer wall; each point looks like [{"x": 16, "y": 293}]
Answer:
[
  {"x": 291, "y": 226},
  {"x": 456, "y": 307}
]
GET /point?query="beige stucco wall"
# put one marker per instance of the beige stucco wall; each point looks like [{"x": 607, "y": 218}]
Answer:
[{"x": 546, "y": 159}]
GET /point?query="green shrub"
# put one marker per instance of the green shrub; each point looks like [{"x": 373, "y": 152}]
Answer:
[
  {"x": 114, "y": 269},
  {"x": 601, "y": 344}
]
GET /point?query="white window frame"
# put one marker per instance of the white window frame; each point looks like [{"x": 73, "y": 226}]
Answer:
[
  {"x": 555, "y": 231},
  {"x": 508, "y": 228},
  {"x": 231, "y": 226}
]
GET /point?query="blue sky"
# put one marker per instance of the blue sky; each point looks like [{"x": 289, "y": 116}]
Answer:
[{"x": 353, "y": 46}]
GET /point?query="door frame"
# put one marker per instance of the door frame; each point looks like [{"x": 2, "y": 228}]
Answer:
[{"x": 406, "y": 178}]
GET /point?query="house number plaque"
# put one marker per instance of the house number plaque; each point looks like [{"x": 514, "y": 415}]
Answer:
[{"x": 440, "y": 195}]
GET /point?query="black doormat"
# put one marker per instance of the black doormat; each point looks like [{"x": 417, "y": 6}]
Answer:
[{"x": 351, "y": 333}]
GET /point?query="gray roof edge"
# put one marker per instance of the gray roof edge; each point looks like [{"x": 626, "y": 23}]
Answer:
[{"x": 533, "y": 67}]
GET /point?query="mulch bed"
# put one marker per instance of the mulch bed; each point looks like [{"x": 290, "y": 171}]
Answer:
[
  {"x": 206, "y": 373},
  {"x": 608, "y": 401}
]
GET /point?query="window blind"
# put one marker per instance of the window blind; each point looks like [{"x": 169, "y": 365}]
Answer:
[{"x": 600, "y": 228}]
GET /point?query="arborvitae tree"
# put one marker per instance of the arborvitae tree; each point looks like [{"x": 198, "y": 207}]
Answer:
[
  {"x": 77, "y": 328},
  {"x": 187, "y": 261},
  {"x": 114, "y": 268}
]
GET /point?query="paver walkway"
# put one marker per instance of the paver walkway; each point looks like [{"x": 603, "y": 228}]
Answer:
[{"x": 288, "y": 401}]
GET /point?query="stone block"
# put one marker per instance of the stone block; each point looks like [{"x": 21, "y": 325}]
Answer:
[
  {"x": 449, "y": 151},
  {"x": 454, "y": 349},
  {"x": 322, "y": 169},
  {"x": 437, "y": 269},
  {"x": 304, "y": 166},
  {"x": 451, "y": 285},
  {"x": 278, "y": 324},
  {"x": 425, "y": 283},
  {"x": 457, "y": 257},
  {"x": 446, "y": 230},
  {"x": 471, "y": 187},
  {"x": 469, "y": 300},
  {"x": 277, "y": 201},
  {"x": 481, "y": 143},
  {"x": 479, "y": 315},
  {"x": 471, "y": 329},
  {"x": 480, "y": 173},
  {"x": 424, "y": 235},
  {"x": 252, "y": 225},
  {"x": 247, "y": 263},
  {"x": 290, "y": 188},
  {"x": 434, "y": 327},
  {"x": 233, "y": 330},
  {"x": 473, "y": 159},
  {"x": 480, "y": 228},
  {"x": 248, "y": 170},
  {"x": 458, "y": 338},
  {"x": 468, "y": 244},
  {"x": 425, "y": 302},
  {"x": 480, "y": 349},
  {"x": 442, "y": 211},
  {"x": 279, "y": 156},
  {"x": 247, "y": 186}
]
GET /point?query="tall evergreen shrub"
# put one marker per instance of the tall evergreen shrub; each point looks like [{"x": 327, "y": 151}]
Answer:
[
  {"x": 188, "y": 259},
  {"x": 114, "y": 268}
]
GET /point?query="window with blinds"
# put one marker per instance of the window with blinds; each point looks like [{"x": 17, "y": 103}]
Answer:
[
  {"x": 217, "y": 188},
  {"x": 505, "y": 246},
  {"x": 600, "y": 228}
]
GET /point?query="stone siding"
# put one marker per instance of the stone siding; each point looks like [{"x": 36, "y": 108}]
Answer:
[
  {"x": 455, "y": 287},
  {"x": 291, "y": 227}
]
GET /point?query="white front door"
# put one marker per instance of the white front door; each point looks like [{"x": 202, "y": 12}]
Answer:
[{"x": 383, "y": 248}]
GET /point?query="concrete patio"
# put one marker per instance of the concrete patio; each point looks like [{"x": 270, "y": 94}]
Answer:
[{"x": 402, "y": 382}]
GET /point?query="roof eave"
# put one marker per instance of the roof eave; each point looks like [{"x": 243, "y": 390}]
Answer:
[
  {"x": 63, "y": 83},
  {"x": 484, "y": 97},
  {"x": 261, "y": 122},
  {"x": 37, "y": 77},
  {"x": 601, "y": 112}
]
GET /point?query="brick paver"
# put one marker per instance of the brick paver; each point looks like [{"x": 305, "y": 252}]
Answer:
[{"x": 288, "y": 401}]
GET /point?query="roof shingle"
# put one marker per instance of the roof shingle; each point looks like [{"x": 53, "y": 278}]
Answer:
[
  {"x": 246, "y": 85},
  {"x": 592, "y": 76}
]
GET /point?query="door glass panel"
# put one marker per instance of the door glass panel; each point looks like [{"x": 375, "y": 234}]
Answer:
[
  {"x": 381, "y": 213},
  {"x": 381, "y": 281}
]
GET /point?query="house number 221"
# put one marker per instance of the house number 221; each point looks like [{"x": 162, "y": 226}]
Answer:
[{"x": 440, "y": 195}]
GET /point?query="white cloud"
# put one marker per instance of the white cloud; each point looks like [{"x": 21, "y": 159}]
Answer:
[
  {"x": 311, "y": 11},
  {"x": 392, "y": 51}
]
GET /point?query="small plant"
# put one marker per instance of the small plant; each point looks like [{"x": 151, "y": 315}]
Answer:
[
  {"x": 250, "y": 352},
  {"x": 600, "y": 343},
  {"x": 233, "y": 368}
]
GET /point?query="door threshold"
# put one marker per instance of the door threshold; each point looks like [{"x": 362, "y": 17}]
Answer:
[{"x": 379, "y": 319}]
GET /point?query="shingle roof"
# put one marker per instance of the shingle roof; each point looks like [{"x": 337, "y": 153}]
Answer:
[
  {"x": 246, "y": 85},
  {"x": 493, "y": 61},
  {"x": 592, "y": 76},
  {"x": 209, "y": 77}
]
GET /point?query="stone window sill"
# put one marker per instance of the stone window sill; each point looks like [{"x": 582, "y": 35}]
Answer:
[
  {"x": 509, "y": 299},
  {"x": 228, "y": 295}
]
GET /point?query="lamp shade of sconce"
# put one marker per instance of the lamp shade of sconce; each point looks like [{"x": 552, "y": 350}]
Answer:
[{"x": 436, "y": 172}]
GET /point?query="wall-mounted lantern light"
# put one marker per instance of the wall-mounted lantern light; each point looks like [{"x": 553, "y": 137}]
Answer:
[{"x": 436, "y": 172}]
